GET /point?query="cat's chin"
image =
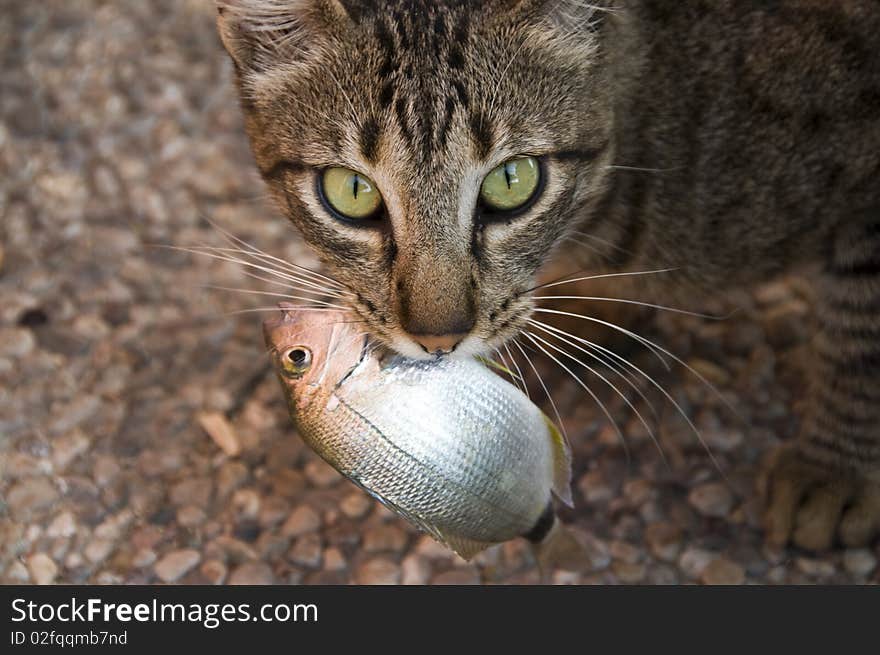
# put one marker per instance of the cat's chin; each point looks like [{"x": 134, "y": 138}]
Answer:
[{"x": 471, "y": 346}]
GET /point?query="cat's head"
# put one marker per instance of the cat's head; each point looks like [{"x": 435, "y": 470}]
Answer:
[{"x": 433, "y": 153}]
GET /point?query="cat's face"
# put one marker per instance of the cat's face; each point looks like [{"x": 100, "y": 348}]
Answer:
[{"x": 432, "y": 153}]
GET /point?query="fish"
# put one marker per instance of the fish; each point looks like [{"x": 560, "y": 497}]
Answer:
[{"x": 445, "y": 443}]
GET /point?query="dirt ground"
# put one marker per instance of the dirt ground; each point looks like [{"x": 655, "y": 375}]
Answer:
[{"x": 120, "y": 133}]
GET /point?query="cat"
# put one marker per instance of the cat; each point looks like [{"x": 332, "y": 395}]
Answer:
[{"x": 437, "y": 154}]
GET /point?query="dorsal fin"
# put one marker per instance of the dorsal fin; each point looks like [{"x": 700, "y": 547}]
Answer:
[{"x": 561, "y": 463}]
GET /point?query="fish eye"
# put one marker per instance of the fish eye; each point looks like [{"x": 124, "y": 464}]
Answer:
[
  {"x": 512, "y": 185},
  {"x": 296, "y": 361},
  {"x": 349, "y": 195}
]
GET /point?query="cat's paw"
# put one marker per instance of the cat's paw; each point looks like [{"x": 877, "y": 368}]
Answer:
[{"x": 810, "y": 506}]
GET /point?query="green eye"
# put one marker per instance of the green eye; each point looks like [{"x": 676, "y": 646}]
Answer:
[
  {"x": 349, "y": 193},
  {"x": 511, "y": 185}
]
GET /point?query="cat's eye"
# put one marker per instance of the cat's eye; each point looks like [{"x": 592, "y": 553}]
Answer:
[
  {"x": 511, "y": 185},
  {"x": 349, "y": 194}
]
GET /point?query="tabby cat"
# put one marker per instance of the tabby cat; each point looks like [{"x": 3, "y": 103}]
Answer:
[{"x": 436, "y": 154}]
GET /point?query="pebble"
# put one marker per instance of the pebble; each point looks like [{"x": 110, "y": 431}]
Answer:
[
  {"x": 416, "y": 570},
  {"x": 334, "y": 560},
  {"x": 321, "y": 474},
  {"x": 306, "y": 551},
  {"x": 176, "y": 564},
  {"x": 42, "y": 568},
  {"x": 252, "y": 573},
  {"x": 230, "y": 476},
  {"x": 627, "y": 572},
  {"x": 625, "y": 552},
  {"x": 378, "y": 571},
  {"x": 143, "y": 558},
  {"x": 98, "y": 550},
  {"x": 594, "y": 489},
  {"x": 218, "y": 427},
  {"x": 17, "y": 573},
  {"x": 722, "y": 571},
  {"x": 815, "y": 568},
  {"x": 193, "y": 491},
  {"x": 693, "y": 561},
  {"x": 246, "y": 504},
  {"x": 214, "y": 571},
  {"x": 664, "y": 540},
  {"x": 67, "y": 448},
  {"x": 30, "y": 496},
  {"x": 301, "y": 521},
  {"x": 859, "y": 561},
  {"x": 387, "y": 537},
  {"x": 63, "y": 525},
  {"x": 355, "y": 505},
  {"x": 190, "y": 516},
  {"x": 458, "y": 576},
  {"x": 712, "y": 499}
]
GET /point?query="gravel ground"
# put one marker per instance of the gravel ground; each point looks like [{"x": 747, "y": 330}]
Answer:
[{"x": 119, "y": 131}]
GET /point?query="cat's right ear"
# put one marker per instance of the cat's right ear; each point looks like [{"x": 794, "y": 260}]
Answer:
[{"x": 259, "y": 34}]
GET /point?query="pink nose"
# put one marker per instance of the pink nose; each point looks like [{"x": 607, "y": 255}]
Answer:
[{"x": 433, "y": 343}]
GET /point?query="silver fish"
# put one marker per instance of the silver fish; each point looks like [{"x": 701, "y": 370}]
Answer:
[{"x": 446, "y": 443}]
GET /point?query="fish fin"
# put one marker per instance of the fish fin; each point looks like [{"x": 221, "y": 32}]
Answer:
[
  {"x": 561, "y": 463},
  {"x": 467, "y": 549},
  {"x": 560, "y": 549}
]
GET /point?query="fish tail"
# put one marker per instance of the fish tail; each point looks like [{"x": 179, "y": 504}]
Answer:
[{"x": 555, "y": 546}]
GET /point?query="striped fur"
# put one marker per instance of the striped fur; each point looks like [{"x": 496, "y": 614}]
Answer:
[{"x": 733, "y": 140}]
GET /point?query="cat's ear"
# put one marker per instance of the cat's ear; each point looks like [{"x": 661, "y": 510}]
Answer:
[{"x": 260, "y": 33}]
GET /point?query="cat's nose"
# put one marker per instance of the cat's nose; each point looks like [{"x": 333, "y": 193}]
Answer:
[{"x": 438, "y": 343}]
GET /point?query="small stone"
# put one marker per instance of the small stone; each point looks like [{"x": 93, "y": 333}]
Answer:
[
  {"x": 252, "y": 573},
  {"x": 712, "y": 499},
  {"x": 334, "y": 560},
  {"x": 274, "y": 509},
  {"x": 458, "y": 576},
  {"x": 17, "y": 572},
  {"x": 693, "y": 561},
  {"x": 176, "y": 564},
  {"x": 306, "y": 551},
  {"x": 98, "y": 549},
  {"x": 355, "y": 505},
  {"x": 15, "y": 342},
  {"x": 63, "y": 525},
  {"x": 193, "y": 491},
  {"x": 433, "y": 549},
  {"x": 815, "y": 568},
  {"x": 113, "y": 527},
  {"x": 143, "y": 558},
  {"x": 710, "y": 371},
  {"x": 230, "y": 476},
  {"x": 301, "y": 521},
  {"x": 67, "y": 448},
  {"x": 664, "y": 540},
  {"x": 416, "y": 570},
  {"x": 246, "y": 503},
  {"x": 628, "y": 572},
  {"x": 722, "y": 571},
  {"x": 218, "y": 427},
  {"x": 387, "y": 537},
  {"x": 625, "y": 552},
  {"x": 214, "y": 571},
  {"x": 566, "y": 577},
  {"x": 638, "y": 492},
  {"x": 30, "y": 496},
  {"x": 321, "y": 474},
  {"x": 859, "y": 561},
  {"x": 378, "y": 571},
  {"x": 190, "y": 516},
  {"x": 594, "y": 489},
  {"x": 42, "y": 568}
]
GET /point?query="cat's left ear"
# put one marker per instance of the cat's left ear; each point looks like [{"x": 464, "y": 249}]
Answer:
[{"x": 260, "y": 33}]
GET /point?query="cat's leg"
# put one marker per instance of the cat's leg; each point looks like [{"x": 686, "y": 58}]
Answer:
[{"x": 827, "y": 485}]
